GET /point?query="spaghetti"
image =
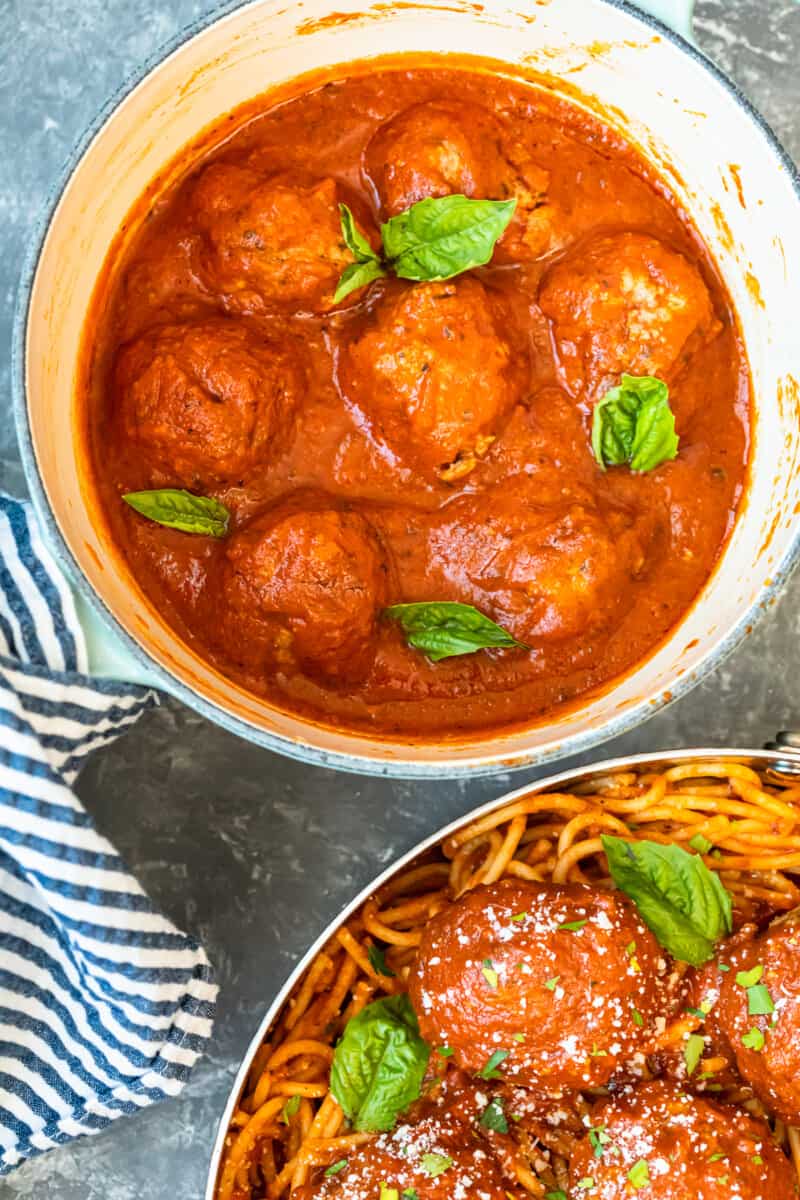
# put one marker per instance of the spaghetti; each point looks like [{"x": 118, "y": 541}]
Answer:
[{"x": 287, "y": 1122}]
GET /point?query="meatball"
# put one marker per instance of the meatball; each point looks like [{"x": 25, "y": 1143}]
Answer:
[
  {"x": 766, "y": 1047},
  {"x": 439, "y": 149},
  {"x": 205, "y": 400},
  {"x": 303, "y": 585},
  {"x": 270, "y": 241},
  {"x": 660, "y": 1143},
  {"x": 625, "y": 303},
  {"x": 543, "y": 561},
  {"x": 433, "y": 375},
  {"x": 441, "y": 1156},
  {"x": 564, "y": 982}
]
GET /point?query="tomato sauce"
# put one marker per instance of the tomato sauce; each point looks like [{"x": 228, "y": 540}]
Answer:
[{"x": 590, "y": 568}]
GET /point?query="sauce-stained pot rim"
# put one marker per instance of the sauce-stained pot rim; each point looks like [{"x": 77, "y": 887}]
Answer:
[
  {"x": 482, "y": 763},
  {"x": 564, "y": 780}
]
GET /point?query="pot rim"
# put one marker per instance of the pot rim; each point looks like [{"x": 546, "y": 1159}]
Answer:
[
  {"x": 572, "y": 776},
  {"x": 482, "y": 764}
]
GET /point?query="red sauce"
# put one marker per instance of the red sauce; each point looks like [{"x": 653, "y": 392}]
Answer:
[{"x": 326, "y": 430}]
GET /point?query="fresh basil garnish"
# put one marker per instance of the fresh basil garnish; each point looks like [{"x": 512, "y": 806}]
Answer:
[
  {"x": 440, "y": 238},
  {"x": 181, "y": 510},
  {"x": 367, "y": 266},
  {"x": 678, "y": 898},
  {"x": 434, "y": 239},
  {"x": 379, "y": 1064},
  {"x": 443, "y": 628},
  {"x": 634, "y": 424}
]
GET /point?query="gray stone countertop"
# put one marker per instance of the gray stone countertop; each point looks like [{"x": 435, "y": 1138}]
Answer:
[{"x": 254, "y": 853}]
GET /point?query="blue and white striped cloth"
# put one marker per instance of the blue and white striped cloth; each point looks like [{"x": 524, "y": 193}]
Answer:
[{"x": 104, "y": 1005}]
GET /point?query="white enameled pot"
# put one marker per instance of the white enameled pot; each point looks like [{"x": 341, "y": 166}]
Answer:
[
  {"x": 714, "y": 150},
  {"x": 781, "y": 757}
]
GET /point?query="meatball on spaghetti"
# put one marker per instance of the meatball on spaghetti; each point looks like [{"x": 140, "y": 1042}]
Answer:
[
  {"x": 658, "y": 1142},
  {"x": 625, "y": 303},
  {"x": 564, "y": 982},
  {"x": 444, "y": 1154},
  {"x": 433, "y": 371},
  {"x": 205, "y": 401},
  {"x": 304, "y": 584},
  {"x": 440, "y": 149},
  {"x": 270, "y": 240},
  {"x": 758, "y": 1012}
]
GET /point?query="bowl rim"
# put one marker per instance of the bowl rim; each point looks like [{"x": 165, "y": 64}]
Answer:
[
  {"x": 571, "y": 776},
  {"x": 480, "y": 764}
]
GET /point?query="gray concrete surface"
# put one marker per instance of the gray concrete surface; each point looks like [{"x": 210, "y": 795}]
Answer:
[{"x": 254, "y": 853}]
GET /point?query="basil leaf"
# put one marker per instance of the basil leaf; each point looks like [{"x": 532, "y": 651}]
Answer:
[
  {"x": 379, "y": 1064},
  {"x": 443, "y": 628},
  {"x": 678, "y": 898},
  {"x": 356, "y": 276},
  {"x": 377, "y": 960},
  {"x": 634, "y": 424},
  {"x": 355, "y": 240},
  {"x": 367, "y": 266},
  {"x": 439, "y": 238},
  {"x": 181, "y": 510}
]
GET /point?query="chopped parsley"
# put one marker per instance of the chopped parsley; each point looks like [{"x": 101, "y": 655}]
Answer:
[
  {"x": 444, "y": 1051},
  {"x": 552, "y": 984},
  {"x": 388, "y": 1193},
  {"x": 759, "y": 1001},
  {"x": 639, "y": 1174},
  {"x": 720, "y": 1154},
  {"x": 409, "y": 1194},
  {"x": 336, "y": 1167},
  {"x": 490, "y": 974},
  {"x": 289, "y": 1109},
  {"x": 598, "y": 1053},
  {"x": 519, "y": 1037},
  {"x": 556, "y": 1195},
  {"x": 493, "y": 1117},
  {"x": 435, "y": 1164},
  {"x": 748, "y": 979},
  {"x": 572, "y": 926},
  {"x": 701, "y": 844},
  {"x": 490, "y": 1071},
  {"x": 723, "y": 967},
  {"x": 583, "y": 1185},
  {"x": 693, "y": 1052},
  {"x": 377, "y": 960},
  {"x": 598, "y": 1140},
  {"x": 753, "y": 1039},
  {"x": 638, "y": 1019},
  {"x": 519, "y": 917}
]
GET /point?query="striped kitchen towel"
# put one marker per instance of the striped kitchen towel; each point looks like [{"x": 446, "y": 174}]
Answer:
[{"x": 104, "y": 1005}]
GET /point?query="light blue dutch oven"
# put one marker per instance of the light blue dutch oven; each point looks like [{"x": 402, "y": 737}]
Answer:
[{"x": 637, "y": 68}]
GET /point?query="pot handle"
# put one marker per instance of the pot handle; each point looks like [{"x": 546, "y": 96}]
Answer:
[
  {"x": 109, "y": 657},
  {"x": 675, "y": 13}
]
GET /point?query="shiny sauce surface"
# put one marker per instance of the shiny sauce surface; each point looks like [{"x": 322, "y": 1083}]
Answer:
[{"x": 590, "y": 568}]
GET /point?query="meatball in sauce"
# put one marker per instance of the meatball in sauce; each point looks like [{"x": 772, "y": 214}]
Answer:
[
  {"x": 439, "y": 149},
  {"x": 206, "y": 401},
  {"x": 626, "y": 303},
  {"x": 661, "y": 1143},
  {"x": 765, "y": 1045},
  {"x": 433, "y": 372},
  {"x": 304, "y": 583},
  {"x": 564, "y": 981}
]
